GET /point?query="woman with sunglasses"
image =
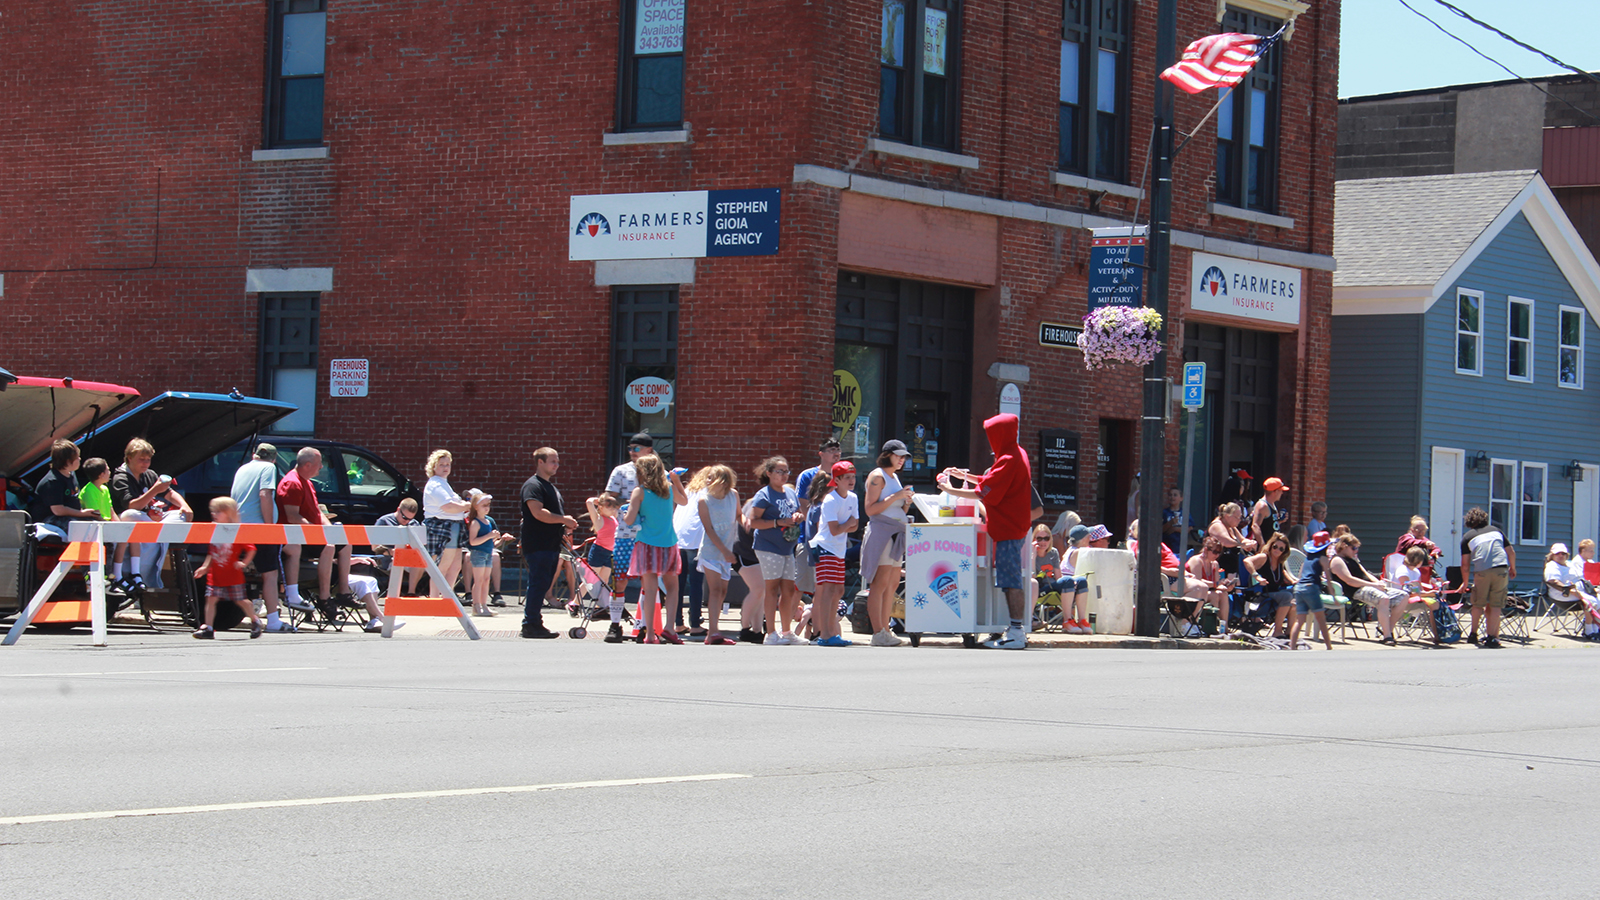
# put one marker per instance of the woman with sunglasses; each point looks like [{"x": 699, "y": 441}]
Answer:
[{"x": 1276, "y": 584}]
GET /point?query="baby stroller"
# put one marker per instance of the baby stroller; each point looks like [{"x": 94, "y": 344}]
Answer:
[{"x": 588, "y": 602}]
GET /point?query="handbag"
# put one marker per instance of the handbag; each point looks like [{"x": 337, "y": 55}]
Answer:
[{"x": 1446, "y": 624}]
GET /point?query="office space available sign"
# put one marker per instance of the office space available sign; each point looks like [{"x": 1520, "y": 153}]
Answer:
[
  {"x": 677, "y": 224},
  {"x": 1115, "y": 274},
  {"x": 1244, "y": 288},
  {"x": 658, "y": 26}
]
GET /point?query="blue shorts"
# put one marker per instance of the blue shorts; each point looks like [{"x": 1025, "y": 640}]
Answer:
[
  {"x": 1307, "y": 600},
  {"x": 1008, "y": 565},
  {"x": 1066, "y": 584},
  {"x": 599, "y": 557}
]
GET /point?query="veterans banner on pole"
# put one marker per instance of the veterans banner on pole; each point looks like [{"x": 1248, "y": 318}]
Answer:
[{"x": 1116, "y": 256}]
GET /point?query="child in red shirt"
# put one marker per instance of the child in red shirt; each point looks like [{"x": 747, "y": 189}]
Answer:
[{"x": 223, "y": 571}]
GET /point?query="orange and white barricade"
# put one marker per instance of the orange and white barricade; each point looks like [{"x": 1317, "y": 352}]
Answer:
[{"x": 87, "y": 538}]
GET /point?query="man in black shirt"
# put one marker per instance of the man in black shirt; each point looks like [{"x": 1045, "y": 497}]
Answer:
[
  {"x": 138, "y": 494},
  {"x": 55, "y": 498},
  {"x": 544, "y": 528}
]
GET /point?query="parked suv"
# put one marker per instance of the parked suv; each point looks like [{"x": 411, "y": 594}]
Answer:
[{"x": 355, "y": 484}]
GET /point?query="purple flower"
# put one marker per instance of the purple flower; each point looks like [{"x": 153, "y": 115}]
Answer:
[{"x": 1120, "y": 333}]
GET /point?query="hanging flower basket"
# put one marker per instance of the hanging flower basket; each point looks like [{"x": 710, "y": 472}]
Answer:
[{"x": 1130, "y": 334}]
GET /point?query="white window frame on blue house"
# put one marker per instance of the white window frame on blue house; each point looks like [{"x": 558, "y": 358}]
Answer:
[
  {"x": 1524, "y": 504},
  {"x": 1562, "y": 347},
  {"x": 1477, "y": 336},
  {"x": 1507, "y": 519},
  {"x": 1512, "y": 340}
]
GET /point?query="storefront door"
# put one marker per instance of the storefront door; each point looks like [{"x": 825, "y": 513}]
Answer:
[
  {"x": 644, "y": 379},
  {"x": 1238, "y": 427},
  {"x": 903, "y": 369}
]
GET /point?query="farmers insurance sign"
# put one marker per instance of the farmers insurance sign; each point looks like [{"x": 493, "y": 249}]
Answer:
[
  {"x": 673, "y": 225},
  {"x": 1244, "y": 288}
]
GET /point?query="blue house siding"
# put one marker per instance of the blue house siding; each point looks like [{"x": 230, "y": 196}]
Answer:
[
  {"x": 1374, "y": 428},
  {"x": 1539, "y": 422}
]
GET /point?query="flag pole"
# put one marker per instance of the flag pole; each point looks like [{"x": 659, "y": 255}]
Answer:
[{"x": 1153, "y": 437}]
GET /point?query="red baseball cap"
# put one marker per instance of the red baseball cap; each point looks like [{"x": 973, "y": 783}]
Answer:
[
  {"x": 1274, "y": 484},
  {"x": 843, "y": 467}
]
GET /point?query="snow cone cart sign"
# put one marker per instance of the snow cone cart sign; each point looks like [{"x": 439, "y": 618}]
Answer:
[
  {"x": 676, "y": 224},
  {"x": 941, "y": 576},
  {"x": 648, "y": 395},
  {"x": 1244, "y": 288}
]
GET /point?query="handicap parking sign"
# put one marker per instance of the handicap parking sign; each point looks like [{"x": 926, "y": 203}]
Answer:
[{"x": 1194, "y": 385}]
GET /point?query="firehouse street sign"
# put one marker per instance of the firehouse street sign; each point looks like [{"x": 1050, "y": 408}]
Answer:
[{"x": 675, "y": 224}]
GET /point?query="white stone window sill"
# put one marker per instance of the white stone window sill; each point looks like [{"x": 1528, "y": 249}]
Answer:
[
  {"x": 624, "y": 138},
  {"x": 289, "y": 153},
  {"x": 925, "y": 154},
  {"x": 1249, "y": 215},
  {"x": 1066, "y": 179}
]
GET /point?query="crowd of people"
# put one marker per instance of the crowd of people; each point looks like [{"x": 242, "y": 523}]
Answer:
[{"x": 661, "y": 536}]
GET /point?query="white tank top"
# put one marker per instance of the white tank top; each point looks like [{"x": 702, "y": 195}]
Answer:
[{"x": 891, "y": 485}]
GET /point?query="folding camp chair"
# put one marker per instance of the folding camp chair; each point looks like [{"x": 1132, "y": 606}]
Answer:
[
  {"x": 1047, "y": 611},
  {"x": 1563, "y": 614},
  {"x": 1516, "y": 614}
]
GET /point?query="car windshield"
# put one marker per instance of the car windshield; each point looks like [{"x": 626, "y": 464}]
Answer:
[
  {"x": 367, "y": 478},
  {"x": 325, "y": 482}
]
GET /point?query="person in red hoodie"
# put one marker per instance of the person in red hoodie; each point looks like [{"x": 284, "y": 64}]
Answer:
[{"x": 1006, "y": 492}]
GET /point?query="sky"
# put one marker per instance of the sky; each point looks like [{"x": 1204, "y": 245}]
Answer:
[{"x": 1385, "y": 47}]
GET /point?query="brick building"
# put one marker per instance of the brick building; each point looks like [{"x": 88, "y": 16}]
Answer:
[{"x": 238, "y": 192}]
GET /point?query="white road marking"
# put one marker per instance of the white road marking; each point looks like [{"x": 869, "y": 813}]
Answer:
[
  {"x": 359, "y": 798},
  {"x": 160, "y": 672}
]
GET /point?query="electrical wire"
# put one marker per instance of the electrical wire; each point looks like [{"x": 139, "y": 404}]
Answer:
[
  {"x": 1528, "y": 47},
  {"x": 1463, "y": 42}
]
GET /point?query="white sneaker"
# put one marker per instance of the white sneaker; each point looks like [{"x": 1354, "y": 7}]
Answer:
[
  {"x": 773, "y": 639},
  {"x": 1013, "y": 639},
  {"x": 280, "y": 627},
  {"x": 790, "y": 639}
]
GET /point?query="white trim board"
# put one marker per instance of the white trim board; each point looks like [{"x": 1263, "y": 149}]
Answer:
[
  {"x": 287, "y": 281},
  {"x": 1549, "y": 222}
]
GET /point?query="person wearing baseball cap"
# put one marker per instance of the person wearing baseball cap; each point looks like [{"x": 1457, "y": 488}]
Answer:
[
  {"x": 883, "y": 547},
  {"x": 1309, "y": 589},
  {"x": 838, "y": 518},
  {"x": 1266, "y": 519}
]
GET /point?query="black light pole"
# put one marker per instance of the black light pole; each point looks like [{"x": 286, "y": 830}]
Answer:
[{"x": 1153, "y": 436}]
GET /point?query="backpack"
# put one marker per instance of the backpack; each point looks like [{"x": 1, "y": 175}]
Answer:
[{"x": 1446, "y": 624}]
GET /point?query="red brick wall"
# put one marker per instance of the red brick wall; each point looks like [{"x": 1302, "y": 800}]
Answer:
[{"x": 456, "y": 134}]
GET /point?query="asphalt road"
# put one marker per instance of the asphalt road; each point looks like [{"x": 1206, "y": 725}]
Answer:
[{"x": 862, "y": 772}]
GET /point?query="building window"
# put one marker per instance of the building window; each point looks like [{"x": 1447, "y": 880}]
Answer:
[
  {"x": 288, "y": 362},
  {"x": 644, "y": 368},
  {"x": 1094, "y": 66},
  {"x": 1247, "y": 124},
  {"x": 651, "y": 95},
  {"x": 1469, "y": 333},
  {"x": 294, "y": 96},
  {"x": 1569, "y": 355},
  {"x": 1519, "y": 339},
  {"x": 1534, "y": 476},
  {"x": 1502, "y": 494},
  {"x": 918, "y": 79}
]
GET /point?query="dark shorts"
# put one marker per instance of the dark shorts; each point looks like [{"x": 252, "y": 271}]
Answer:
[
  {"x": 269, "y": 558},
  {"x": 1008, "y": 565},
  {"x": 599, "y": 557}
]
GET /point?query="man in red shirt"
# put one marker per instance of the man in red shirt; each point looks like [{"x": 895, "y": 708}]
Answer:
[
  {"x": 297, "y": 505},
  {"x": 1006, "y": 490}
]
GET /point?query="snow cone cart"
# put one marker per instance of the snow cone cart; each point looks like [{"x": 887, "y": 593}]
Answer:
[{"x": 950, "y": 576}]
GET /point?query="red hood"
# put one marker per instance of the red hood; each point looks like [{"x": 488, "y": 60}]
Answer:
[
  {"x": 1002, "y": 432},
  {"x": 36, "y": 411}
]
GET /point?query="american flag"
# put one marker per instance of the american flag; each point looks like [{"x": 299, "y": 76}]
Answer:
[{"x": 1220, "y": 59}]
